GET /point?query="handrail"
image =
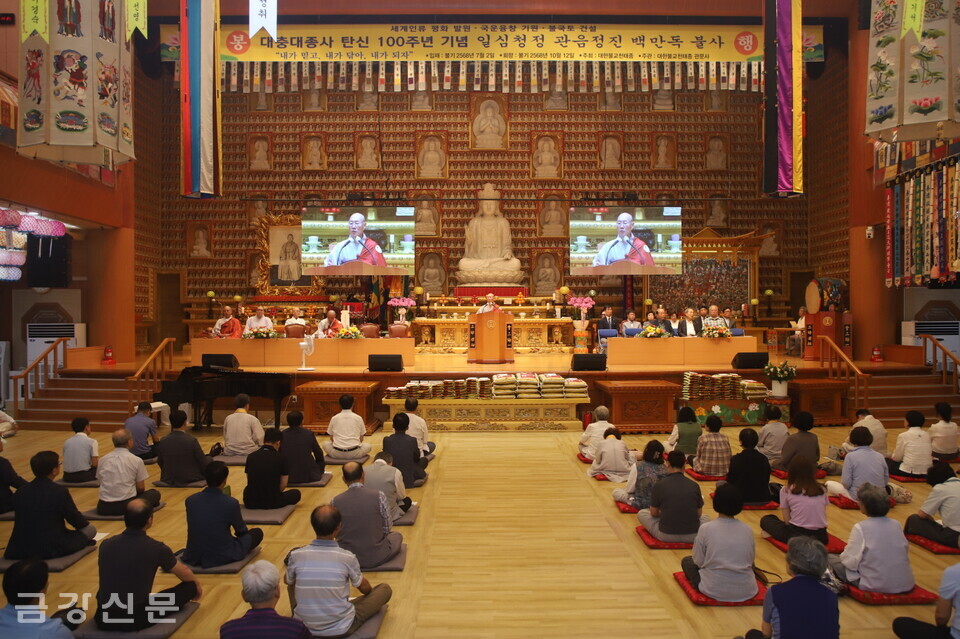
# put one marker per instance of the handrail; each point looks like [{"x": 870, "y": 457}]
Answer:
[
  {"x": 49, "y": 372},
  {"x": 839, "y": 366},
  {"x": 149, "y": 376},
  {"x": 940, "y": 348}
]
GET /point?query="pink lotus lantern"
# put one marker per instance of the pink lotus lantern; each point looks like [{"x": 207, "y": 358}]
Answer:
[{"x": 9, "y": 219}]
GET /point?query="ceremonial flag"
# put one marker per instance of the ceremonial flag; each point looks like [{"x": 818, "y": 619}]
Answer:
[
  {"x": 783, "y": 89},
  {"x": 199, "y": 99}
]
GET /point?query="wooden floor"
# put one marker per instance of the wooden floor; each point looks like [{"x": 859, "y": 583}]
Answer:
[{"x": 513, "y": 540}]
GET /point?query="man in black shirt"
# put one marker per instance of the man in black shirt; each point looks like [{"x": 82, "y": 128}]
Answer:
[
  {"x": 41, "y": 508},
  {"x": 8, "y": 479},
  {"x": 300, "y": 448},
  {"x": 128, "y": 564},
  {"x": 179, "y": 455},
  {"x": 267, "y": 476},
  {"x": 406, "y": 452},
  {"x": 676, "y": 505},
  {"x": 750, "y": 470}
]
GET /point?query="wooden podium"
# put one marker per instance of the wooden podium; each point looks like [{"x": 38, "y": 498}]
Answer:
[{"x": 490, "y": 338}]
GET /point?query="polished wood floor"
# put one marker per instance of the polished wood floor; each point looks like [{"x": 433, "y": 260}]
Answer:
[{"x": 513, "y": 540}]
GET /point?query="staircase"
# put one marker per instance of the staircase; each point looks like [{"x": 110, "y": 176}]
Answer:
[
  {"x": 893, "y": 395},
  {"x": 102, "y": 400}
]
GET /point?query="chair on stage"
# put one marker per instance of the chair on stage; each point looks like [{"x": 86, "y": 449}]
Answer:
[
  {"x": 737, "y": 332},
  {"x": 398, "y": 330},
  {"x": 370, "y": 330},
  {"x": 603, "y": 335},
  {"x": 295, "y": 331},
  {"x": 631, "y": 332}
]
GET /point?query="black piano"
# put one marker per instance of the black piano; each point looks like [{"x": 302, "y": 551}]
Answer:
[{"x": 198, "y": 385}]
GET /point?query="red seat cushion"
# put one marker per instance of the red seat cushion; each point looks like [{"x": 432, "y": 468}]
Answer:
[
  {"x": 916, "y": 596},
  {"x": 844, "y": 502},
  {"x": 932, "y": 546},
  {"x": 702, "y": 477},
  {"x": 701, "y": 599},
  {"x": 835, "y": 545},
  {"x": 656, "y": 544},
  {"x": 584, "y": 459},
  {"x": 908, "y": 479},
  {"x": 770, "y": 505},
  {"x": 601, "y": 477},
  {"x": 782, "y": 474},
  {"x": 626, "y": 508}
]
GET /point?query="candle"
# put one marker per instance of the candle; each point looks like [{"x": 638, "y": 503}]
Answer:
[{"x": 428, "y": 297}]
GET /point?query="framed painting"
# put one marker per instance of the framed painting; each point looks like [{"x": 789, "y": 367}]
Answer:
[
  {"x": 426, "y": 215},
  {"x": 366, "y": 151},
  {"x": 259, "y": 152},
  {"x": 552, "y": 213},
  {"x": 280, "y": 244},
  {"x": 432, "y": 269},
  {"x": 547, "y": 270},
  {"x": 199, "y": 240},
  {"x": 663, "y": 151},
  {"x": 546, "y": 155},
  {"x": 489, "y": 121},
  {"x": 610, "y": 150},
  {"x": 432, "y": 155},
  {"x": 313, "y": 151},
  {"x": 717, "y": 210},
  {"x": 716, "y": 152}
]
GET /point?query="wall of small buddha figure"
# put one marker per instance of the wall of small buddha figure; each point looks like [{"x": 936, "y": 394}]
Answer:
[{"x": 287, "y": 147}]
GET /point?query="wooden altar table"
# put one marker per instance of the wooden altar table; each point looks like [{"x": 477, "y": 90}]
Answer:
[
  {"x": 677, "y": 351},
  {"x": 641, "y": 406},
  {"x": 528, "y": 333},
  {"x": 286, "y": 352},
  {"x": 494, "y": 414},
  {"x": 825, "y": 398},
  {"x": 321, "y": 401}
]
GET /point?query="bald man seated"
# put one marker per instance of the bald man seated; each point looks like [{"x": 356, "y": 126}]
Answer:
[
  {"x": 366, "y": 520},
  {"x": 122, "y": 477}
]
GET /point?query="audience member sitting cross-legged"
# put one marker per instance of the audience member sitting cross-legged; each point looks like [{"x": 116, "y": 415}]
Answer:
[
  {"x": 802, "y": 443},
  {"x": 320, "y": 576},
  {"x": 40, "y": 509},
  {"x": 261, "y": 589},
  {"x": 242, "y": 432},
  {"x": 268, "y": 475},
  {"x": 642, "y": 477},
  {"x": 721, "y": 566},
  {"x": 803, "y": 505},
  {"x": 713, "y": 450},
  {"x": 210, "y": 517},
  {"x": 382, "y": 476},
  {"x": 128, "y": 565},
  {"x": 24, "y": 585},
  {"x": 143, "y": 431},
  {"x": 81, "y": 453},
  {"x": 944, "y": 434},
  {"x": 676, "y": 505},
  {"x": 406, "y": 454},
  {"x": 773, "y": 435},
  {"x": 878, "y": 434},
  {"x": 877, "y": 557},
  {"x": 346, "y": 431},
  {"x": 947, "y": 605},
  {"x": 750, "y": 470},
  {"x": 301, "y": 449},
  {"x": 944, "y": 500},
  {"x": 179, "y": 455},
  {"x": 418, "y": 427},
  {"x": 366, "y": 520},
  {"x": 801, "y": 607},
  {"x": 685, "y": 434},
  {"x": 862, "y": 465},
  {"x": 613, "y": 459},
  {"x": 593, "y": 433},
  {"x": 122, "y": 477},
  {"x": 9, "y": 481},
  {"x": 913, "y": 454}
]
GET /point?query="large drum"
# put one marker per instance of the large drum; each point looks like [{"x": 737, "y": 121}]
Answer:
[{"x": 823, "y": 291}]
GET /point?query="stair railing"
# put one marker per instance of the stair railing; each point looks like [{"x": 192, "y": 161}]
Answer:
[
  {"x": 147, "y": 380},
  {"x": 839, "y": 366},
  {"x": 939, "y": 350},
  {"x": 40, "y": 370}
]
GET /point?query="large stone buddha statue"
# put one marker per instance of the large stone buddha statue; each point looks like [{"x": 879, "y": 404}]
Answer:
[{"x": 488, "y": 254}]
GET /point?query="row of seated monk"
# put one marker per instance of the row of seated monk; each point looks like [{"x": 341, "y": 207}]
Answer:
[
  {"x": 295, "y": 326},
  {"x": 669, "y": 508},
  {"x": 353, "y": 531}
]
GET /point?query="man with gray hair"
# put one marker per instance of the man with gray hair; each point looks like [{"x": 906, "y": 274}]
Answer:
[
  {"x": 593, "y": 434},
  {"x": 802, "y": 606},
  {"x": 242, "y": 432},
  {"x": 261, "y": 589},
  {"x": 122, "y": 477}
]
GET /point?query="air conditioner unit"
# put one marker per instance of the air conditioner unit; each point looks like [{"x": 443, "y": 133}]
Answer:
[
  {"x": 41, "y": 336},
  {"x": 947, "y": 333}
]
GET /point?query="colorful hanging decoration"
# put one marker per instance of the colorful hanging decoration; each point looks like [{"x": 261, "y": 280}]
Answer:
[
  {"x": 200, "y": 141},
  {"x": 783, "y": 88}
]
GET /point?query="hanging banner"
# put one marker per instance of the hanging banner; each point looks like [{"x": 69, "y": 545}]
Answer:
[
  {"x": 200, "y": 154},
  {"x": 35, "y": 19},
  {"x": 496, "y": 41},
  {"x": 888, "y": 249},
  {"x": 136, "y": 16},
  {"x": 783, "y": 110},
  {"x": 912, "y": 17},
  {"x": 263, "y": 15}
]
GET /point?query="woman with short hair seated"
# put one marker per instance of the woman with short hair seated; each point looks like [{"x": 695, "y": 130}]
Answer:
[
  {"x": 801, "y": 443},
  {"x": 643, "y": 475},
  {"x": 802, "y": 606},
  {"x": 750, "y": 470},
  {"x": 803, "y": 504},
  {"x": 944, "y": 434},
  {"x": 613, "y": 459},
  {"x": 877, "y": 557},
  {"x": 913, "y": 454},
  {"x": 685, "y": 433},
  {"x": 721, "y": 566}
]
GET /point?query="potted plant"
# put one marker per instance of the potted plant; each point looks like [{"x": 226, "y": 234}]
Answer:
[
  {"x": 653, "y": 332},
  {"x": 716, "y": 332},
  {"x": 779, "y": 376},
  {"x": 401, "y": 304},
  {"x": 583, "y": 306}
]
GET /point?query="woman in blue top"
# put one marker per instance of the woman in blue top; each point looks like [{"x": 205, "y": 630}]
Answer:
[{"x": 642, "y": 477}]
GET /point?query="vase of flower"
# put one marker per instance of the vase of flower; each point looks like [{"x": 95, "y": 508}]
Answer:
[
  {"x": 778, "y": 388},
  {"x": 780, "y": 377}
]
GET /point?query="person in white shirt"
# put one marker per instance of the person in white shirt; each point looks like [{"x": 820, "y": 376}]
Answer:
[
  {"x": 122, "y": 477},
  {"x": 382, "y": 476},
  {"x": 418, "y": 427},
  {"x": 714, "y": 319},
  {"x": 875, "y": 426},
  {"x": 913, "y": 455},
  {"x": 593, "y": 434},
  {"x": 630, "y": 322},
  {"x": 259, "y": 320},
  {"x": 346, "y": 430},
  {"x": 295, "y": 318},
  {"x": 944, "y": 500},
  {"x": 242, "y": 432},
  {"x": 943, "y": 434},
  {"x": 8, "y": 425},
  {"x": 795, "y": 341},
  {"x": 81, "y": 453},
  {"x": 773, "y": 435},
  {"x": 490, "y": 306}
]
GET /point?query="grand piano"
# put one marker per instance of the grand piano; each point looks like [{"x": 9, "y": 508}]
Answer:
[{"x": 198, "y": 385}]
